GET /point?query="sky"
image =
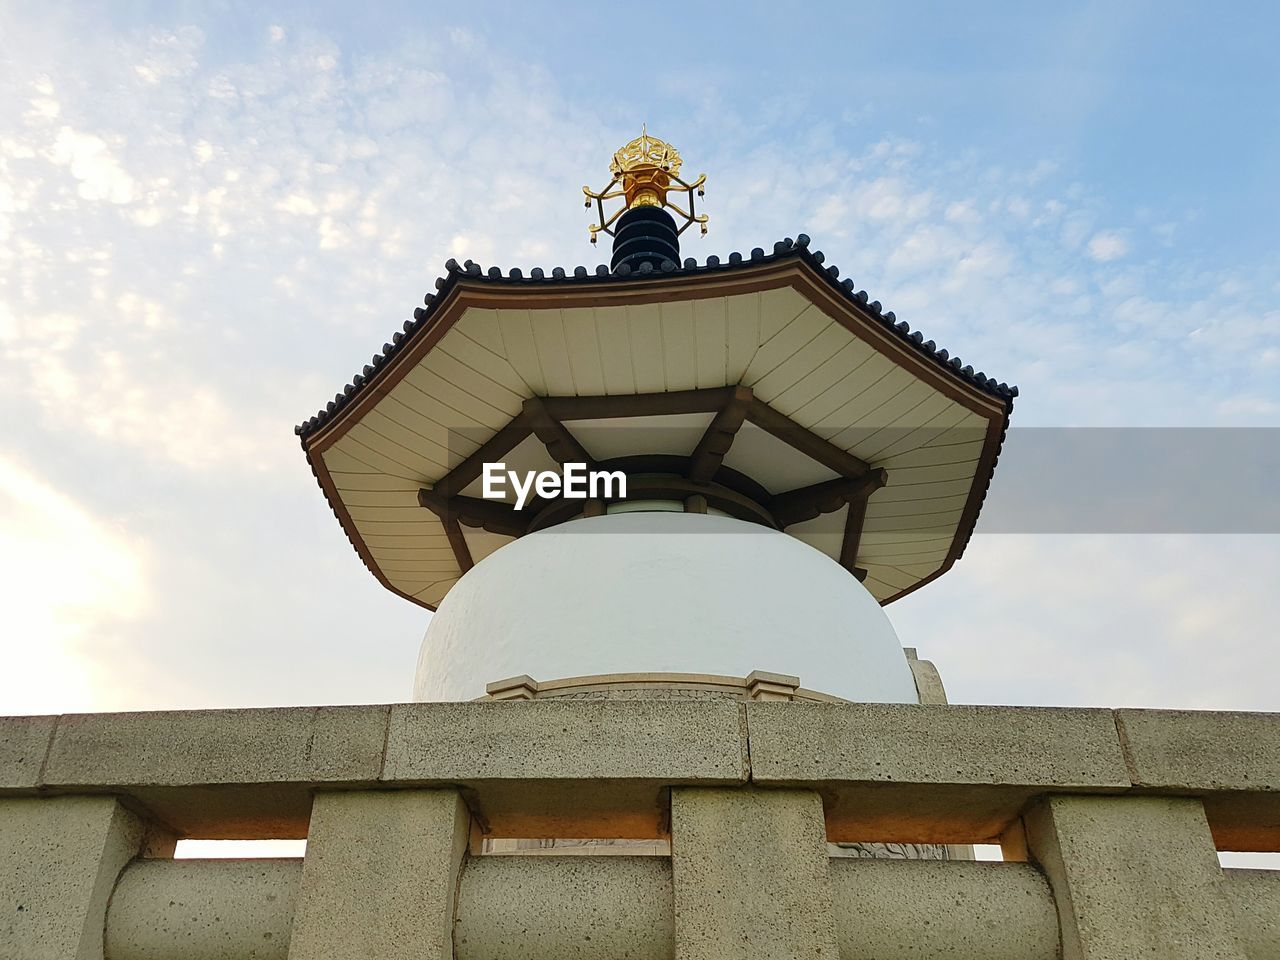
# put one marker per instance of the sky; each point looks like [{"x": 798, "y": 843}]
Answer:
[{"x": 213, "y": 214}]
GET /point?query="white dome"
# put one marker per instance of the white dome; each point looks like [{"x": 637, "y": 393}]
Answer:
[{"x": 661, "y": 593}]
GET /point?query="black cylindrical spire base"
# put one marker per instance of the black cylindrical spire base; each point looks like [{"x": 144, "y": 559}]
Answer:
[{"x": 645, "y": 235}]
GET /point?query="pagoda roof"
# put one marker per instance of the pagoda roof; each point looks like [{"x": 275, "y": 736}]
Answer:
[
  {"x": 786, "y": 249},
  {"x": 387, "y": 454}
]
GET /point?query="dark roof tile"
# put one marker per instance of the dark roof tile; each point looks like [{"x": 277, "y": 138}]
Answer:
[{"x": 782, "y": 249}]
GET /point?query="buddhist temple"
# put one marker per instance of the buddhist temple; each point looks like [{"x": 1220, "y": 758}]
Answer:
[
  {"x": 803, "y": 456},
  {"x": 660, "y": 509}
]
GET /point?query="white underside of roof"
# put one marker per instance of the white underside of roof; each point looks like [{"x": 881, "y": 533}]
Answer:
[{"x": 793, "y": 355}]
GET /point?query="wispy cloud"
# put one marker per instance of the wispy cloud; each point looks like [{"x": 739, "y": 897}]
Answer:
[
  {"x": 199, "y": 245},
  {"x": 1107, "y": 246},
  {"x": 70, "y": 586}
]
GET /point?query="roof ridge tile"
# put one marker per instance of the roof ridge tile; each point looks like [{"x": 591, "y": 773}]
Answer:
[{"x": 781, "y": 249}]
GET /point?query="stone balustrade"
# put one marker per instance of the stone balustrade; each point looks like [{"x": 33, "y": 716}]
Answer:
[{"x": 1109, "y": 819}]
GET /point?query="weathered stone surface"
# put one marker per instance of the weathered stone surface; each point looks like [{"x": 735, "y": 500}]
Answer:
[
  {"x": 918, "y": 909},
  {"x": 889, "y": 773},
  {"x": 978, "y": 766},
  {"x": 195, "y": 747},
  {"x": 569, "y": 908},
  {"x": 59, "y": 859},
  {"x": 923, "y": 743},
  {"x": 1255, "y": 898},
  {"x": 203, "y": 910},
  {"x": 750, "y": 871},
  {"x": 567, "y": 769},
  {"x": 628, "y": 740},
  {"x": 928, "y": 680},
  {"x": 1202, "y": 750},
  {"x": 1133, "y": 877},
  {"x": 24, "y": 743},
  {"x": 1232, "y": 757},
  {"x": 220, "y": 773},
  {"x": 380, "y": 875}
]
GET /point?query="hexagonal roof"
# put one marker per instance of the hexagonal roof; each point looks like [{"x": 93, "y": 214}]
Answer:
[{"x": 765, "y": 383}]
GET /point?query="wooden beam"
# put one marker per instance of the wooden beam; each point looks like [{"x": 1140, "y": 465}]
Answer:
[
  {"x": 560, "y": 443},
  {"x": 718, "y": 438},
  {"x": 805, "y": 440},
  {"x": 675, "y": 402},
  {"x": 491, "y": 515},
  {"x": 491, "y": 451},
  {"x": 549, "y": 512},
  {"x": 805, "y": 503},
  {"x": 678, "y": 466},
  {"x": 458, "y": 543},
  {"x": 853, "y": 523}
]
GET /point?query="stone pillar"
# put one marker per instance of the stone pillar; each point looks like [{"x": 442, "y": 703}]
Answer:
[
  {"x": 751, "y": 875},
  {"x": 59, "y": 861},
  {"x": 380, "y": 874},
  {"x": 1133, "y": 877},
  {"x": 762, "y": 685}
]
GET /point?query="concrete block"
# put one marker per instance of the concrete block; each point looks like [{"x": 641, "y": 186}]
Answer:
[
  {"x": 928, "y": 681},
  {"x": 59, "y": 860},
  {"x": 1255, "y": 899},
  {"x": 750, "y": 872},
  {"x": 213, "y": 909},
  {"x": 1133, "y": 877},
  {"x": 621, "y": 739},
  {"x": 1202, "y": 750},
  {"x": 24, "y": 743},
  {"x": 1233, "y": 758},
  {"x": 936, "y": 909},
  {"x": 380, "y": 875},
  {"x": 523, "y": 687},
  {"x": 931, "y": 773},
  {"x": 179, "y": 748},
  {"x": 225, "y": 774},
  {"x": 565, "y": 908},
  {"x": 922, "y": 743},
  {"x": 763, "y": 685},
  {"x": 567, "y": 768}
]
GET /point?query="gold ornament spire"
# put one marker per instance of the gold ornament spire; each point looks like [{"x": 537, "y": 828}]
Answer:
[{"x": 646, "y": 172}]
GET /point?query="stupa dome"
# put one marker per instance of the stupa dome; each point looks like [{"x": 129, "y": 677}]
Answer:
[{"x": 654, "y": 592}]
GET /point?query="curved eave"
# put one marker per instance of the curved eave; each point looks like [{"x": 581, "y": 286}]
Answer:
[
  {"x": 791, "y": 265},
  {"x": 630, "y": 286}
]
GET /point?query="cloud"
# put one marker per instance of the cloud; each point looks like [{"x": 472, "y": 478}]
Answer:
[
  {"x": 90, "y": 161},
  {"x": 1107, "y": 246},
  {"x": 204, "y": 240},
  {"x": 1149, "y": 621},
  {"x": 70, "y": 586}
]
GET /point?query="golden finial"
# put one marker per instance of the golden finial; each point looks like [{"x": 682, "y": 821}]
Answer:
[{"x": 646, "y": 172}]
